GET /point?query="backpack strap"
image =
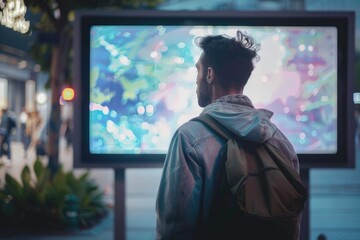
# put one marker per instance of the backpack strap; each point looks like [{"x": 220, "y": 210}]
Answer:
[
  {"x": 213, "y": 124},
  {"x": 236, "y": 164}
]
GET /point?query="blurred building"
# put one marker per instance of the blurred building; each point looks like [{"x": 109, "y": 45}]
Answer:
[
  {"x": 21, "y": 79},
  {"x": 249, "y": 5}
]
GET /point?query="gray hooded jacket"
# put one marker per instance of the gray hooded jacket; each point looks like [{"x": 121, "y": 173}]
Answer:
[{"x": 193, "y": 161}]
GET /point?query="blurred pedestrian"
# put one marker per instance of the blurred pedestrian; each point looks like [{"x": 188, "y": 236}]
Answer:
[
  {"x": 7, "y": 126},
  {"x": 25, "y": 139},
  {"x": 66, "y": 128},
  {"x": 33, "y": 130},
  {"x": 68, "y": 133},
  {"x": 357, "y": 126},
  {"x": 41, "y": 147}
]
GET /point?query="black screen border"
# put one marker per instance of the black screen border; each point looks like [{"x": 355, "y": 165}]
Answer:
[{"x": 343, "y": 21}]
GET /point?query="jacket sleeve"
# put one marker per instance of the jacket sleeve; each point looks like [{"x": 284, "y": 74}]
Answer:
[{"x": 179, "y": 197}]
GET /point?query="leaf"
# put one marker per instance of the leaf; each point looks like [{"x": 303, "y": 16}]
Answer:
[
  {"x": 26, "y": 177},
  {"x": 59, "y": 179},
  {"x": 38, "y": 168},
  {"x": 97, "y": 198},
  {"x": 12, "y": 184},
  {"x": 42, "y": 175},
  {"x": 84, "y": 176},
  {"x": 91, "y": 188}
]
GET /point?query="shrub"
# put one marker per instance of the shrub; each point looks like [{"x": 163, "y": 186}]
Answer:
[{"x": 42, "y": 203}]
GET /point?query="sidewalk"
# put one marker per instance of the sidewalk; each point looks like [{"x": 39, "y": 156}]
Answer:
[
  {"x": 103, "y": 177},
  {"x": 103, "y": 231}
]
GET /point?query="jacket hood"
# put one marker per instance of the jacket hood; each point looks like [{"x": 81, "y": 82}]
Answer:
[{"x": 237, "y": 113}]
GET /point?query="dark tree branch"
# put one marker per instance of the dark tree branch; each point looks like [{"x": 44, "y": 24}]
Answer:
[
  {"x": 64, "y": 7},
  {"x": 49, "y": 12}
]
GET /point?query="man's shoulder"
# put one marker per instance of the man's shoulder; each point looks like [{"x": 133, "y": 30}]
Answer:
[
  {"x": 191, "y": 127},
  {"x": 194, "y": 130}
]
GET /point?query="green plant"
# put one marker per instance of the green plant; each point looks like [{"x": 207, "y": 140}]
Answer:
[{"x": 41, "y": 203}]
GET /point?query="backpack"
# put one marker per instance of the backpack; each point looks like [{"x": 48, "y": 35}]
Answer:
[{"x": 266, "y": 190}]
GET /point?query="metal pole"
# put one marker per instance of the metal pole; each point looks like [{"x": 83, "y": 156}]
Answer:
[
  {"x": 119, "y": 224},
  {"x": 305, "y": 221}
]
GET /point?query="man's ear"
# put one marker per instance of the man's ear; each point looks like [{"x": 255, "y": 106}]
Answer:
[{"x": 210, "y": 75}]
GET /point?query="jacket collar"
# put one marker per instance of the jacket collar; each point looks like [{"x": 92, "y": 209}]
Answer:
[{"x": 235, "y": 99}]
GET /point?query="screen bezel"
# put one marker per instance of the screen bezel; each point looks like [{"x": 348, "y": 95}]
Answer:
[{"x": 344, "y": 21}]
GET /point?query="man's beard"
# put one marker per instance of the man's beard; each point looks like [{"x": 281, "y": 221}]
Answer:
[{"x": 204, "y": 94}]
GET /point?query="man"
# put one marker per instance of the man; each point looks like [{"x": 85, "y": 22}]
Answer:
[{"x": 193, "y": 165}]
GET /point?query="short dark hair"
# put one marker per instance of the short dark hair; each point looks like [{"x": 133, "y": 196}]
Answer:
[{"x": 231, "y": 58}]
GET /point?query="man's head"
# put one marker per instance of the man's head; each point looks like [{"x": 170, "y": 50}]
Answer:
[{"x": 226, "y": 64}]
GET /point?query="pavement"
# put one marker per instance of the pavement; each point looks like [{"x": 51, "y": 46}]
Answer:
[{"x": 104, "y": 230}]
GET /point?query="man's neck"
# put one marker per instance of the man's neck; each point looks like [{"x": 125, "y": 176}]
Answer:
[{"x": 217, "y": 93}]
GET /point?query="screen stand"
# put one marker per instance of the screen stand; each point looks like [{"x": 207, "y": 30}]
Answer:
[
  {"x": 119, "y": 223},
  {"x": 305, "y": 222}
]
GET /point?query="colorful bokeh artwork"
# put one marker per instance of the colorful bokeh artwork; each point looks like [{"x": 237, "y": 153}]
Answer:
[{"x": 142, "y": 84}]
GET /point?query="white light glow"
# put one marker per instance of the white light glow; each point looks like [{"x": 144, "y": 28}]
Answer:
[
  {"x": 149, "y": 110},
  {"x": 41, "y": 98},
  {"x": 153, "y": 54},
  {"x": 141, "y": 110},
  {"x": 179, "y": 60},
  {"x": 181, "y": 45},
  {"x": 302, "y": 47},
  {"x": 124, "y": 60}
]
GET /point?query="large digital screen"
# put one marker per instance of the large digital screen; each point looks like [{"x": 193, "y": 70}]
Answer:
[
  {"x": 143, "y": 84},
  {"x": 140, "y": 81}
]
